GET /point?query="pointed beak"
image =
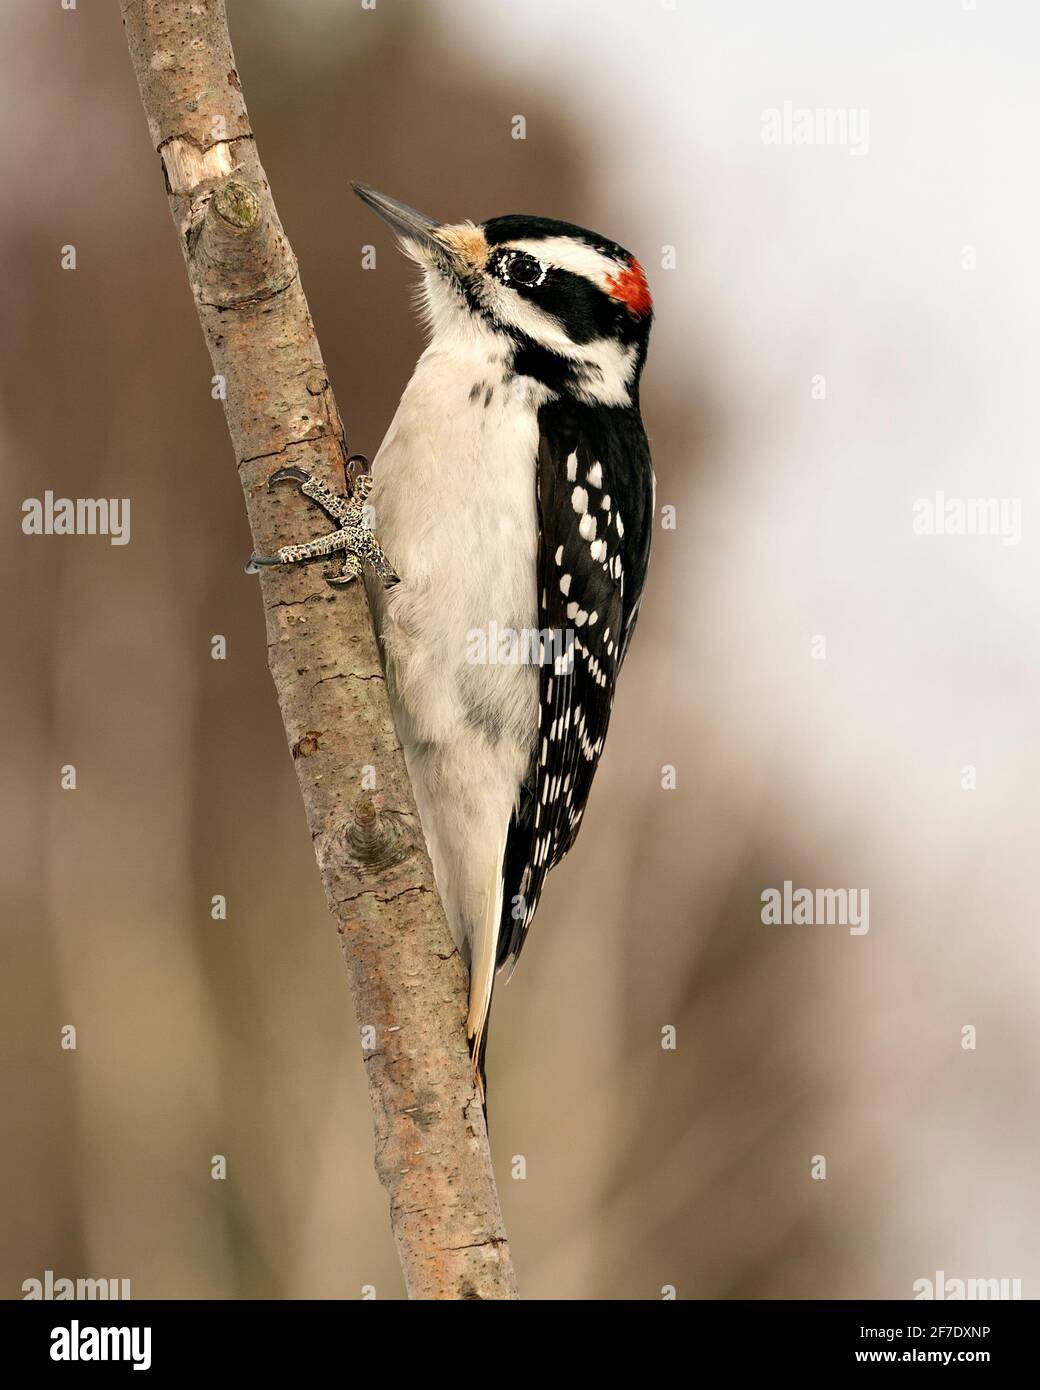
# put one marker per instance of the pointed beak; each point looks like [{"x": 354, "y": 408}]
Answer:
[
  {"x": 460, "y": 248},
  {"x": 406, "y": 222}
]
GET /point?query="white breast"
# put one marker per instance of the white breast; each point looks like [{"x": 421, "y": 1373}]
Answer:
[{"x": 454, "y": 508}]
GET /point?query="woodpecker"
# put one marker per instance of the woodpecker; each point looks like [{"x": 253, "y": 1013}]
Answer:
[{"x": 513, "y": 498}]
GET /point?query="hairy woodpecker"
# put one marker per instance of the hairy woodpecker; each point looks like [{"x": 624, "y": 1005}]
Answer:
[{"x": 513, "y": 497}]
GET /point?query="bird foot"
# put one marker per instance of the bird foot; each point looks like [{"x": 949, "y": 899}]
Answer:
[{"x": 352, "y": 545}]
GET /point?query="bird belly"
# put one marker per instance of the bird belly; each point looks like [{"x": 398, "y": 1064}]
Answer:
[{"x": 454, "y": 506}]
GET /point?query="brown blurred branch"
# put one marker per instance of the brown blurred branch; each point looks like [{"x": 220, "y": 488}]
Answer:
[{"x": 406, "y": 977}]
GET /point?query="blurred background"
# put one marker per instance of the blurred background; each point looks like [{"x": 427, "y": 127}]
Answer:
[{"x": 905, "y": 276}]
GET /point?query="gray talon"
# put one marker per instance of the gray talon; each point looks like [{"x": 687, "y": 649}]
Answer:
[
  {"x": 285, "y": 475},
  {"x": 344, "y": 570}
]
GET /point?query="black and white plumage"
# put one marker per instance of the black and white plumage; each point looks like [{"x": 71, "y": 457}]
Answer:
[
  {"x": 513, "y": 494},
  {"x": 594, "y": 507}
]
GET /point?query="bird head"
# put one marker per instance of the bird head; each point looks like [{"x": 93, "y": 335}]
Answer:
[{"x": 570, "y": 308}]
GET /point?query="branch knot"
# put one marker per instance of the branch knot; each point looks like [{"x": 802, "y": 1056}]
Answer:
[{"x": 377, "y": 839}]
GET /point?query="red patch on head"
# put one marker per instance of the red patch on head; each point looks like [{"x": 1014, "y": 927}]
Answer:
[{"x": 630, "y": 287}]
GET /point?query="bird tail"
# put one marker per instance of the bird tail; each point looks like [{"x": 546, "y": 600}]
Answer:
[
  {"x": 478, "y": 1054},
  {"x": 465, "y": 817},
  {"x": 481, "y": 989},
  {"x": 483, "y": 965}
]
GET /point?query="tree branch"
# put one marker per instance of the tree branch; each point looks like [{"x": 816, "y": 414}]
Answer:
[{"x": 406, "y": 977}]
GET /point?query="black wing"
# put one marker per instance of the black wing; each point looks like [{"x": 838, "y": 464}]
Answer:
[{"x": 595, "y": 509}]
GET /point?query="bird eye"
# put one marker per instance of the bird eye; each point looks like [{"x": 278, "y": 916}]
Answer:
[{"x": 524, "y": 270}]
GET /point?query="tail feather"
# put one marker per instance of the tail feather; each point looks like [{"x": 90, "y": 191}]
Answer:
[
  {"x": 478, "y": 1054},
  {"x": 466, "y": 807},
  {"x": 484, "y": 942}
]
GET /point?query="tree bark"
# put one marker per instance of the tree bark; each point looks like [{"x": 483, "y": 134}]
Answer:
[{"x": 408, "y": 982}]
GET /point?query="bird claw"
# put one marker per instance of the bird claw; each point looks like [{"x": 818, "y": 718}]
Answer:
[
  {"x": 289, "y": 474},
  {"x": 255, "y": 561},
  {"x": 343, "y": 570},
  {"x": 352, "y": 543},
  {"x": 357, "y": 467}
]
